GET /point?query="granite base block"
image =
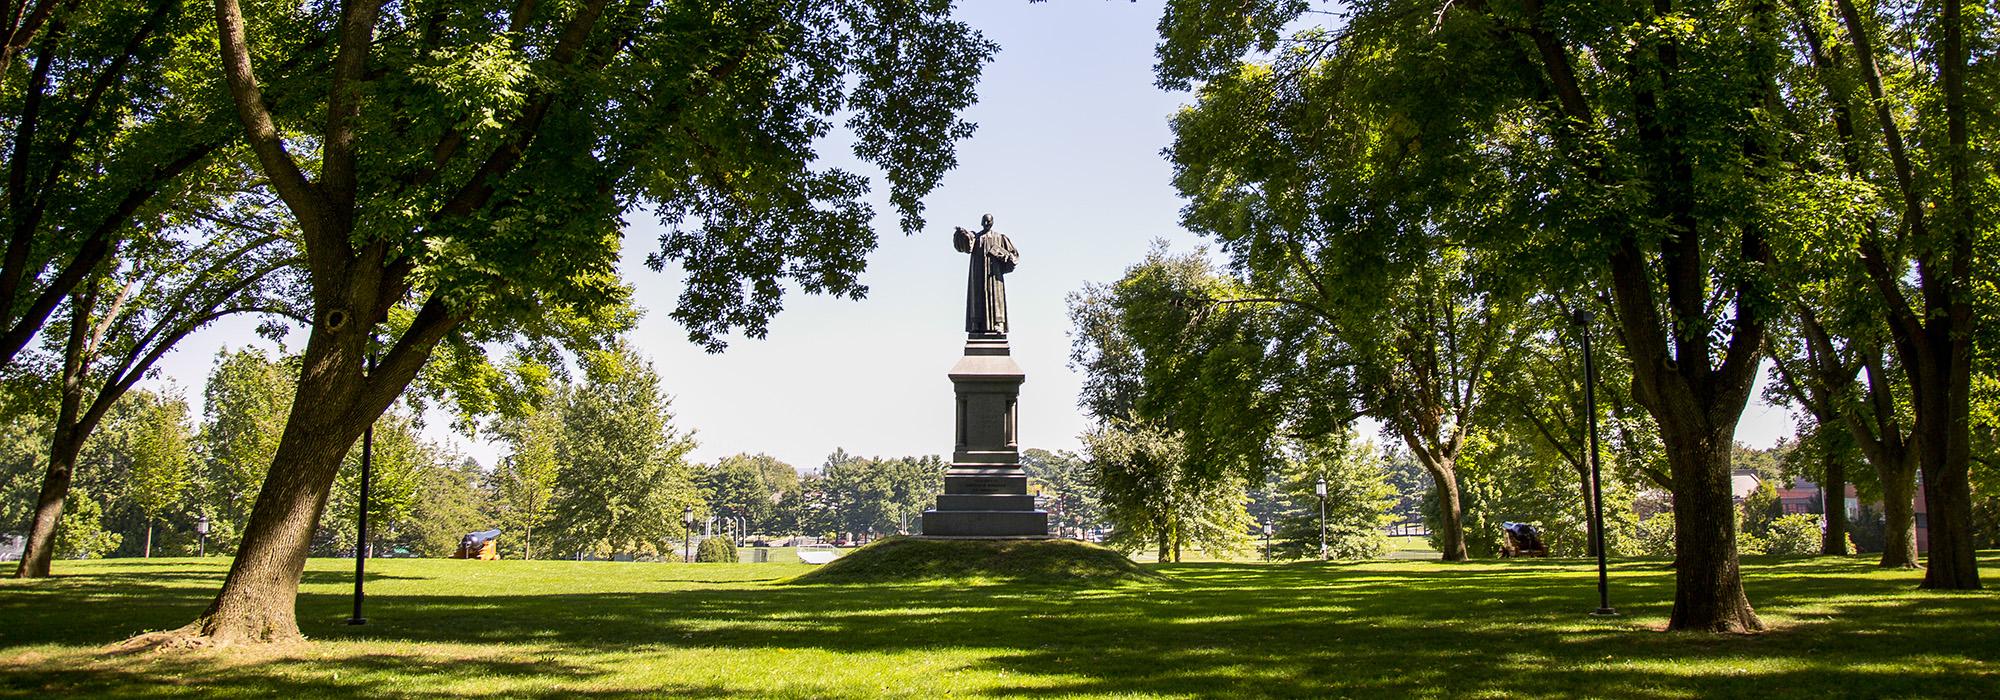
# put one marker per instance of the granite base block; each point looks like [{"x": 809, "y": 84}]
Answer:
[{"x": 986, "y": 523}]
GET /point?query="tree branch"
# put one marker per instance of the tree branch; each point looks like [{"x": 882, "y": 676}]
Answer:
[
  {"x": 433, "y": 322},
  {"x": 300, "y": 195},
  {"x": 98, "y": 244},
  {"x": 478, "y": 189},
  {"x": 337, "y": 167}
]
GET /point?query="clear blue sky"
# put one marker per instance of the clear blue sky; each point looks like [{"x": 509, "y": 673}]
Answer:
[{"x": 1067, "y": 159}]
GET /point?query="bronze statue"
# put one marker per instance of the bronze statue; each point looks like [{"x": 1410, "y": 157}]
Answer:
[{"x": 993, "y": 256}]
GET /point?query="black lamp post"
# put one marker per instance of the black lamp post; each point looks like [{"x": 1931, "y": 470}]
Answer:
[
  {"x": 361, "y": 530},
  {"x": 1583, "y": 319},
  {"x": 687, "y": 516},
  {"x": 1320, "y": 489},
  {"x": 201, "y": 530},
  {"x": 1267, "y": 540}
]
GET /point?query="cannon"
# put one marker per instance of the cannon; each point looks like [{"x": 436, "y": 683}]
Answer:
[
  {"x": 479, "y": 545},
  {"x": 1522, "y": 540}
]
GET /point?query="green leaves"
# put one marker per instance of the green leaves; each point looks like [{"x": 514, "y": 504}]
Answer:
[
  {"x": 1201, "y": 39},
  {"x": 109, "y": 140},
  {"x": 1175, "y": 342},
  {"x": 752, "y": 487},
  {"x": 623, "y": 478},
  {"x": 161, "y": 453},
  {"x": 870, "y": 494},
  {"x": 1064, "y": 479},
  {"x": 1358, "y": 499},
  {"x": 244, "y": 406},
  {"x": 1153, "y": 492},
  {"x": 484, "y": 82}
]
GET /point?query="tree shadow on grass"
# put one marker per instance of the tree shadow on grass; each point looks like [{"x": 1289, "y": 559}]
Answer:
[
  {"x": 361, "y": 675},
  {"x": 1242, "y": 630},
  {"x": 347, "y": 577}
]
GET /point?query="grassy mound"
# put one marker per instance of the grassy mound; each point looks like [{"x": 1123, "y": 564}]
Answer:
[{"x": 910, "y": 559}]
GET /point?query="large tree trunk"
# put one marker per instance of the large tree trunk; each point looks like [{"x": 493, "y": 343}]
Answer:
[
  {"x": 1899, "y": 534},
  {"x": 72, "y": 426},
  {"x": 1451, "y": 521},
  {"x": 1833, "y": 502},
  {"x": 1943, "y": 403},
  {"x": 1708, "y": 590},
  {"x": 40, "y": 547},
  {"x": 1945, "y": 459},
  {"x": 257, "y": 600}
]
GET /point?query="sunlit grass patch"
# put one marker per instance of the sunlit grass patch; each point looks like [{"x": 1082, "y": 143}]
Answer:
[{"x": 1378, "y": 629}]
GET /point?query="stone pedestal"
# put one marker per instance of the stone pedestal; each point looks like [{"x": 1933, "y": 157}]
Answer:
[{"x": 985, "y": 491}]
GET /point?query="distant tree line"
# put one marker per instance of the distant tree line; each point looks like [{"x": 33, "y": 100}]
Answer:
[{"x": 594, "y": 467}]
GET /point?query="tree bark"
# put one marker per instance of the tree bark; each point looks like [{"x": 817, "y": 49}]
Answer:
[
  {"x": 1883, "y": 443},
  {"x": 1899, "y": 534},
  {"x": 1708, "y": 590},
  {"x": 1943, "y": 405},
  {"x": 1833, "y": 502},
  {"x": 147, "y": 553},
  {"x": 1952, "y": 563},
  {"x": 1441, "y": 461},
  {"x": 258, "y": 598},
  {"x": 72, "y": 426},
  {"x": 41, "y": 542},
  {"x": 1696, "y": 400},
  {"x": 1451, "y": 520}
]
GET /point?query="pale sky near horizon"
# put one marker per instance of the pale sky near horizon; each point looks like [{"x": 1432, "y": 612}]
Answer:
[{"x": 1067, "y": 159}]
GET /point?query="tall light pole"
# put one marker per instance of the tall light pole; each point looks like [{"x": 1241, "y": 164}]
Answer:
[
  {"x": 361, "y": 530},
  {"x": 1583, "y": 318},
  {"x": 201, "y": 530},
  {"x": 1320, "y": 489},
  {"x": 687, "y": 516}
]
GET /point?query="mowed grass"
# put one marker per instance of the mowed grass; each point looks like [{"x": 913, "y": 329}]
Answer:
[{"x": 1841, "y": 628}]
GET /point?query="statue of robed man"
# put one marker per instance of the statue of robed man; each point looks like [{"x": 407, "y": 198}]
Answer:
[{"x": 993, "y": 256}]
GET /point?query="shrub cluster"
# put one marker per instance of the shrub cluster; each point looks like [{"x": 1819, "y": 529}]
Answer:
[
  {"x": 716, "y": 550},
  {"x": 1797, "y": 534}
]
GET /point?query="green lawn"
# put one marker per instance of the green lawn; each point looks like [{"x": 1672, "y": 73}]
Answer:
[{"x": 1391, "y": 629}]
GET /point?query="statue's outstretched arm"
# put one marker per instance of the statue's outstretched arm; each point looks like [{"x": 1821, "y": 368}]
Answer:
[{"x": 961, "y": 239}]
